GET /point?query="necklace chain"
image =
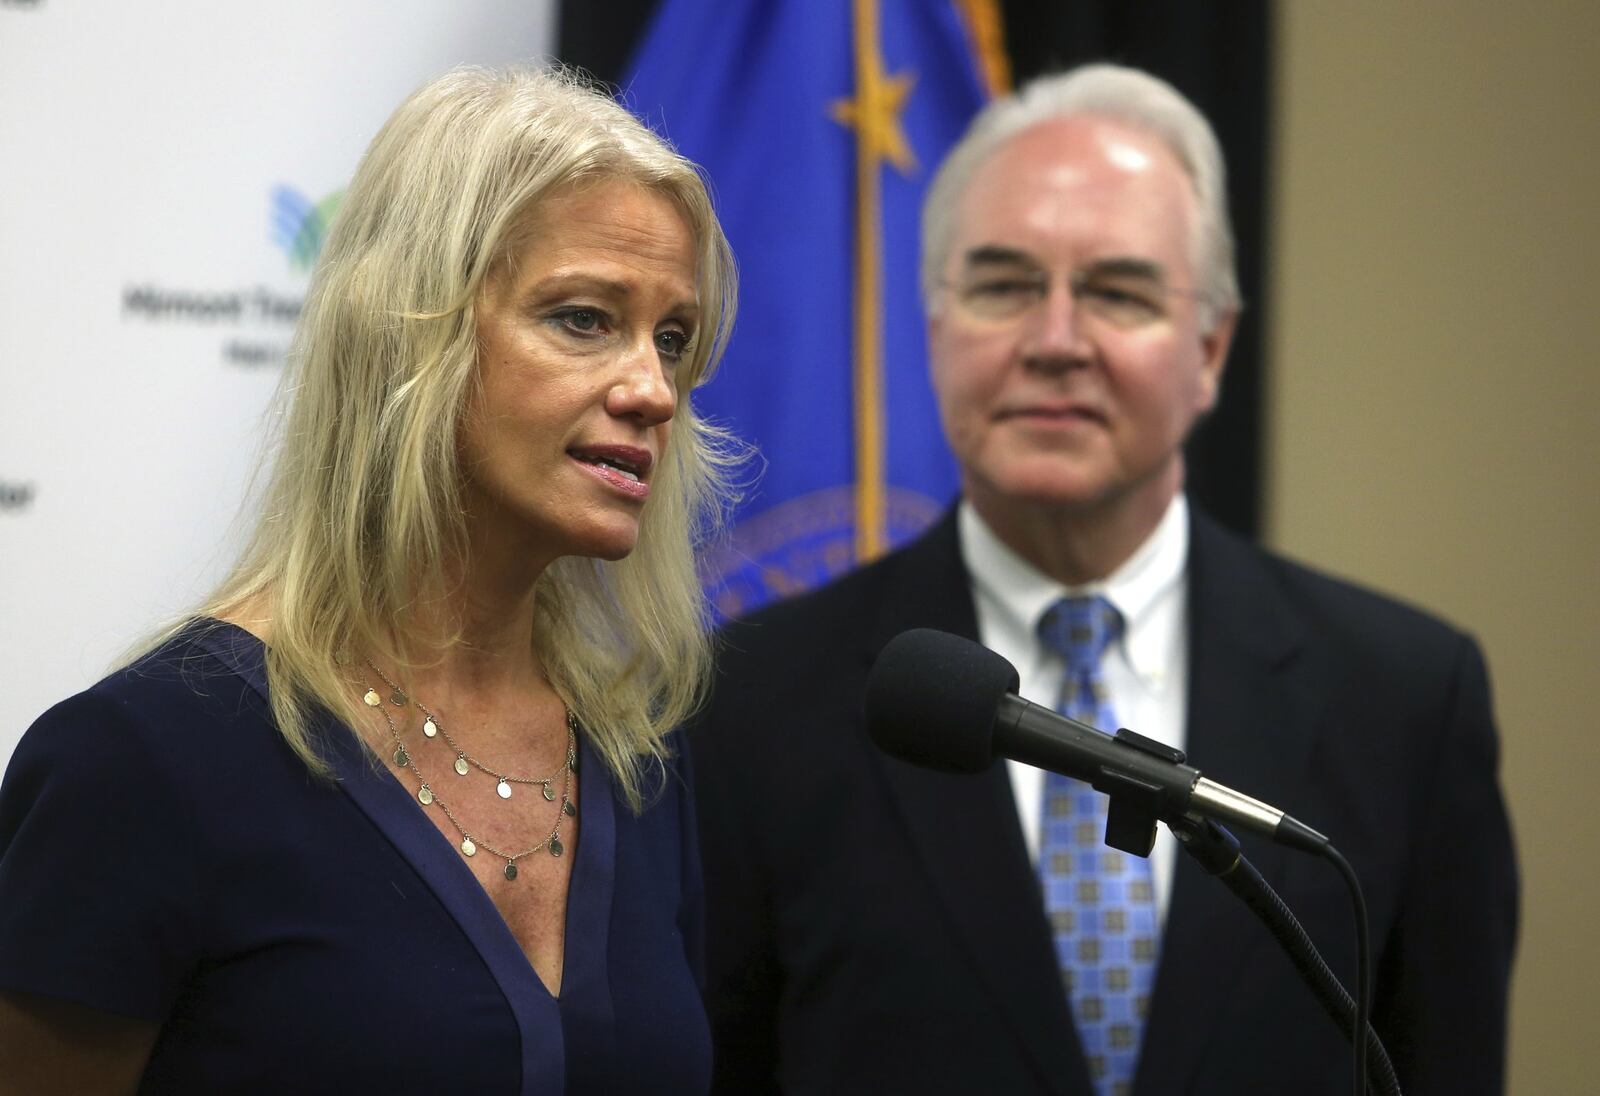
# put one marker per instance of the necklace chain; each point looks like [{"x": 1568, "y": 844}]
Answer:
[
  {"x": 426, "y": 796},
  {"x": 434, "y": 725}
]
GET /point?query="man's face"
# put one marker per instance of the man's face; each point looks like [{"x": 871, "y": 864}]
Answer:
[{"x": 1066, "y": 343}]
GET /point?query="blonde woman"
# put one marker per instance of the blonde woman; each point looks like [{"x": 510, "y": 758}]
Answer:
[{"x": 397, "y": 809}]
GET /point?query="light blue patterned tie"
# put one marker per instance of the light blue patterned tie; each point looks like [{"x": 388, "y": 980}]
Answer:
[{"x": 1100, "y": 901}]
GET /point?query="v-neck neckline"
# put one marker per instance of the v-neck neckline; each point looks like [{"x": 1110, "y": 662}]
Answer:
[{"x": 438, "y": 863}]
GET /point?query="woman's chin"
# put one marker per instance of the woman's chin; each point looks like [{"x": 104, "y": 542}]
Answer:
[
  {"x": 613, "y": 554},
  {"x": 607, "y": 544}
]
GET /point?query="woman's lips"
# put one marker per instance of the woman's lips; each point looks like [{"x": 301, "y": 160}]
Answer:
[{"x": 625, "y": 468}]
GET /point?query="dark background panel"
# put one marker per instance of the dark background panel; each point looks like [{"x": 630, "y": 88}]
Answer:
[{"x": 1215, "y": 52}]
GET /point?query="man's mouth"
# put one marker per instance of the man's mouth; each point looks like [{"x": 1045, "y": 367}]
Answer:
[{"x": 1049, "y": 413}]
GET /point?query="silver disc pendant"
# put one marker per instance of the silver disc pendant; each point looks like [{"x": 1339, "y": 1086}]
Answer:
[
  {"x": 425, "y": 795},
  {"x": 556, "y": 847},
  {"x": 503, "y": 789},
  {"x": 572, "y": 812},
  {"x": 397, "y": 698},
  {"x": 430, "y": 728},
  {"x": 400, "y": 757},
  {"x": 461, "y": 766},
  {"x": 511, "y": 870},
  {"x": 549, "y": 794},
  {"x": 371, "y": 698},
  {"x": 467, "y": 847}
]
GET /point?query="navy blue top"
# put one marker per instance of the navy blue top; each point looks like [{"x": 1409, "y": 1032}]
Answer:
[{"x": 163, "y": 855}]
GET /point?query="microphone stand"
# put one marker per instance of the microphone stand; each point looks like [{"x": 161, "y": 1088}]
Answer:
[
  {"x": 1131, "y": 826},
  {"x": 1217, "y": 852}
]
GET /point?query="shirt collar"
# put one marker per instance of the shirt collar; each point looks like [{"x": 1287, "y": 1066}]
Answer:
[{"x": 1146, "y": 588}]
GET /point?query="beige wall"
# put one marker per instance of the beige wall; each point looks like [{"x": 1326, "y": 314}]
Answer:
[{"x": 1435, "y": 399}]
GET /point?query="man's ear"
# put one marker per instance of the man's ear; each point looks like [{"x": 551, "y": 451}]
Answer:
[{"x": 1214, "y": 345}]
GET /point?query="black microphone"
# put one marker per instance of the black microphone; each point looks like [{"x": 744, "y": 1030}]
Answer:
[{"x": 946, "y": 703}]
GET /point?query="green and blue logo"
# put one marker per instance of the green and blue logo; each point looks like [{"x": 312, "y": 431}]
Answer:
[{"x": 299, "y": 226}]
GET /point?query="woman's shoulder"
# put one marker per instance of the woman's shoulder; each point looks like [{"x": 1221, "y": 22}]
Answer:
[
  {"x": 128, "y": 788},
  {"x": 170, "y": 699}
]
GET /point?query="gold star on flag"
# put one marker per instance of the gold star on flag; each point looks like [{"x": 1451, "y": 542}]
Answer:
[{"x": 874, "y": 113}]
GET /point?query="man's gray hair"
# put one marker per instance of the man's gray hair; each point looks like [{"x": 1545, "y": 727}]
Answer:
[{"x": 1126, "y": 95}]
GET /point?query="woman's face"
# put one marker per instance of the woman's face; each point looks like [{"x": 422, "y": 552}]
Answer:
[{"x": 580, "y": 336}]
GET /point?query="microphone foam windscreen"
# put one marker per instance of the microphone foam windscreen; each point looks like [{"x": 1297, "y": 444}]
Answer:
[{"x": 931, "y": 700}]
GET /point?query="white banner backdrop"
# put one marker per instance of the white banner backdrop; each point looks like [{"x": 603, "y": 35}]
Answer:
[{"x": 163, "y": 165}]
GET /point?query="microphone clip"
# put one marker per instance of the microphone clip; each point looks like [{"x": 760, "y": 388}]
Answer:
[{"x": 1135, "y": 805}]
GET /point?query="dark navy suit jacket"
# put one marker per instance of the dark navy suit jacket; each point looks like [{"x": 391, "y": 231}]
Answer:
[{"x": 873, "y": 927}]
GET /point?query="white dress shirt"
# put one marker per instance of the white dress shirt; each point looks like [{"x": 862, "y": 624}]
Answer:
[{"x": 1146, "y": 670}]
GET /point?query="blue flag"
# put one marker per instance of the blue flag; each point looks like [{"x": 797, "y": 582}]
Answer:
[{"x": 820, "y": 123}]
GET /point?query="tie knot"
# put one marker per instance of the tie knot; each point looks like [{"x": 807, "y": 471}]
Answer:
[{"x": 1079, "y": 628}]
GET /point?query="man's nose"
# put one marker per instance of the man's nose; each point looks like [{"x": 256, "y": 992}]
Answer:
[{"x": 1055, "y": 335}]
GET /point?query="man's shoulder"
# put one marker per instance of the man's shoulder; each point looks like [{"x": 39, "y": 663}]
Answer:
[
  {"x": 1329, "y": 607},
  {"x": 817, "y": 647},
  {"x": 810, "y": 637},
  {"x": 860, "y": 606},
  {"x": 845, "y": 599}
]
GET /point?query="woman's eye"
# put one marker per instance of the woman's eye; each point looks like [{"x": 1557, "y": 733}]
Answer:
[
  {"x": 674, "y": 344},
  {"x": 587, "y": 321}
]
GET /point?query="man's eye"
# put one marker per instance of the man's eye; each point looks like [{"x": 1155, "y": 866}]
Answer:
[
  {"x": 1128, "y": 296},
  {"x": 1113, "y": 294},
  {"x": 1001, "y": 288},
  {"x": 1002, "y": 296}
]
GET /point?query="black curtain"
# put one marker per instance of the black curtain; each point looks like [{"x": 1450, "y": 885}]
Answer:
[{"x": 1216, "y": 53}]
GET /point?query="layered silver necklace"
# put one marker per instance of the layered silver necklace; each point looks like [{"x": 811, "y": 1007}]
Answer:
[{"x": 465, "y": 763}]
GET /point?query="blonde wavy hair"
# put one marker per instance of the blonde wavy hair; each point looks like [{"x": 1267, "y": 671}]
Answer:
[{"x": 361, "y": 517}]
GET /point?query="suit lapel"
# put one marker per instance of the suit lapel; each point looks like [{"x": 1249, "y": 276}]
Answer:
[
  {"x": 1246, "y": 729},
  {"x": 966, "y": 834}
]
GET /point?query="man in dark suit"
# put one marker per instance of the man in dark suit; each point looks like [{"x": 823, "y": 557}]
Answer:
[{"x": 878, "y": 928}]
